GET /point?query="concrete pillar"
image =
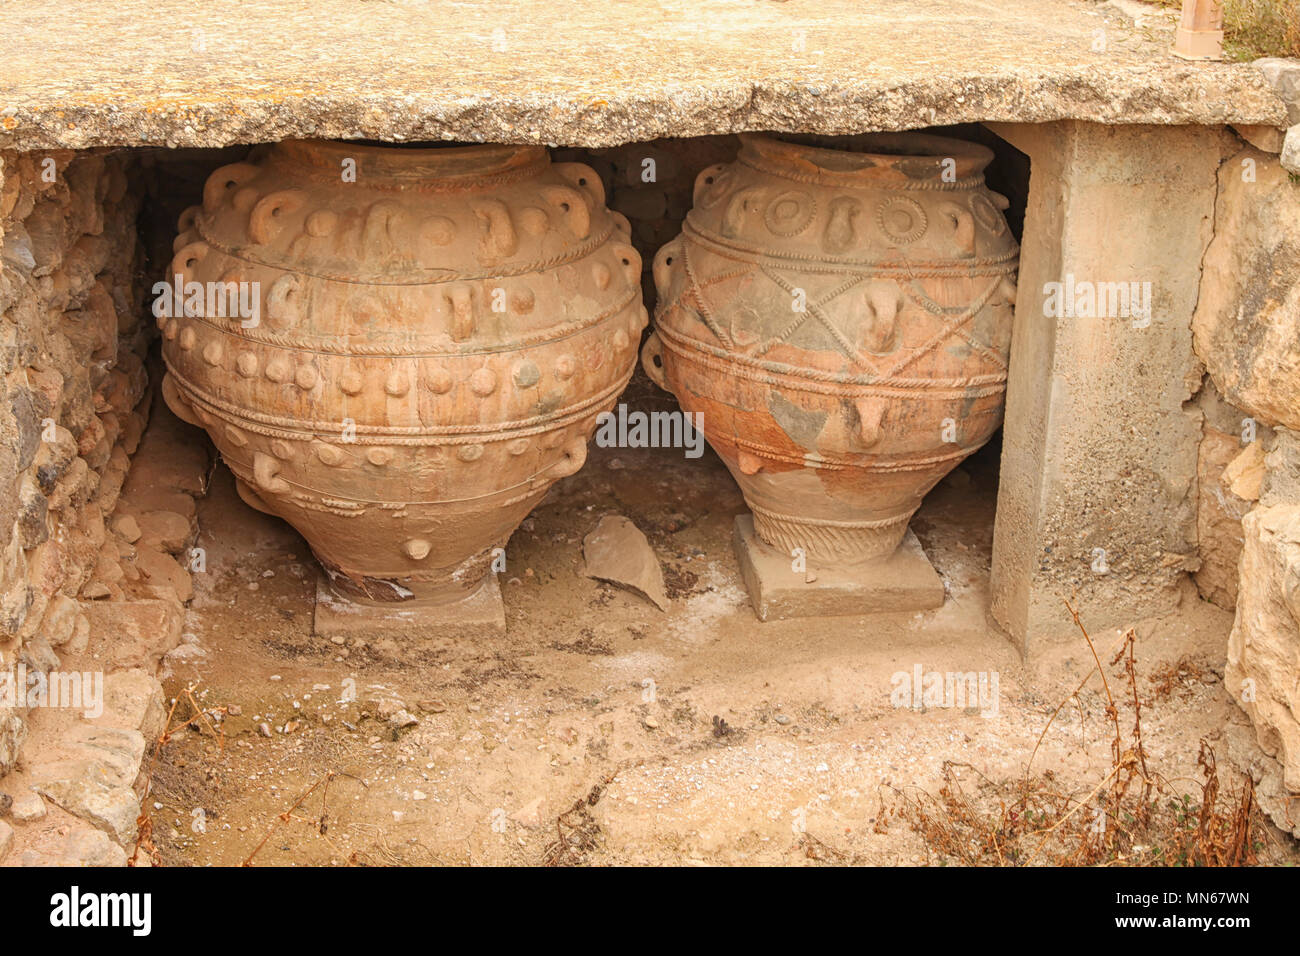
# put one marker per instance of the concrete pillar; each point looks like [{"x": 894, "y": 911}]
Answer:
[{"x": 1096, "y": 499}]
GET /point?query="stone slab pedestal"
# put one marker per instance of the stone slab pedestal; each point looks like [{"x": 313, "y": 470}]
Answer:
[
  {"x": 480, "y": 615},
  {"x": 904, "y": 581}
]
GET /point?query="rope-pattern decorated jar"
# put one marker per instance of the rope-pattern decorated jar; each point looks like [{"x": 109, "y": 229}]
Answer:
[
  {"x": 839, "y": 312},
  {"x": 439, "y": 330}
]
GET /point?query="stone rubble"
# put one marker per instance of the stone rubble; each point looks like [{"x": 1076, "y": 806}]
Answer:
[
  {"x": 1247, "y": 323},
  {"x": 71, "y": 344},
  {"x": 96, "y": 516},
  {"x": 28, "y": 807},
  {"x": 1284, "y": 76}
]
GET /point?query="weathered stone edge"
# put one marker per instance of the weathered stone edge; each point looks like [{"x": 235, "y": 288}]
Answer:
[{"x": 1151, "y": 96}]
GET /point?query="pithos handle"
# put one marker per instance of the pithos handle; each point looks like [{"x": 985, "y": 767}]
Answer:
[
  {"x": 570, "y": 463},
  {"x": 652, "y": 360}
]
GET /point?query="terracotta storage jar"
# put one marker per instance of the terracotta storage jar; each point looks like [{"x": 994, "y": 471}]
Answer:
[
  {"x": 839, "y": 311},
  {"x": 438, "y": 330}
]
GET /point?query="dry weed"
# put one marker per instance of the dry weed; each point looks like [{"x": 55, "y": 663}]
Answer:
[
  {"x": 1132, "y": 816},
  {"x": 198, "y": 718}
]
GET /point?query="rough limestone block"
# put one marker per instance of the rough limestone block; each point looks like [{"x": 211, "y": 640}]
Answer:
[
  {"x": 1247, "y": 322},
  {"x": 1284, "y": 76},
  {"x": 1290, "y": 153},
  {"x": 165, "y": 576},
  {"x": 1264, "y": 646},
  {"x": 112, "y": 809},
  {"x": 904, "y": 581},
  {"x": 1218, "y": 520},
  {"x": 134, "y": 633},
  {"x": 13, "y": 732},
  {"x": 1265, "y": 138},
  {"x": 1245, "y": 473},
  {"x": 85, "y": 847},
  {"x": 481, "y": 615},
  {"x": 28, "y": 807},
  {"x": 1096, "y": 495},
  {"x": 133, "y": 699},
  {"x": 1282, "y": 470},
  {"x": 165, "y": 531},
  {"x": 118, "y": 750},
  {"x": 828, "y": 67}
]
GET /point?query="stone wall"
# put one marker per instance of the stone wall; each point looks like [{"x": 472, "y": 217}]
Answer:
[
  {"x": 1247, "y": 332},
  {"x": 74, "y": 379}
]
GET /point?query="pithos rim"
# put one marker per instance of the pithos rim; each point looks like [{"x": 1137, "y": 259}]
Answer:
[
  {"x": 868, "y": 159},
  {"x": 416, "y": 165}
]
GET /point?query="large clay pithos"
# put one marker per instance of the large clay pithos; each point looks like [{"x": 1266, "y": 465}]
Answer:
[
  {"x": 439, "y": 330},
  {"x": 839, "y": 312}
]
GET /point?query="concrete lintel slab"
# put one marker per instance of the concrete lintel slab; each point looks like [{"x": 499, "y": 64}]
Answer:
[{"x": 584, "y": 73}]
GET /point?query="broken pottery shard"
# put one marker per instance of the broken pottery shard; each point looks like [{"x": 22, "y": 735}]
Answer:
[
  {"x": 529, "y": 815},
  {"x": 618, "y": 552}
]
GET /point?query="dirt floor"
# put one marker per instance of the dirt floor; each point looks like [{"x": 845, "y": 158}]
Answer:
[{"x": 601, "y": 730}]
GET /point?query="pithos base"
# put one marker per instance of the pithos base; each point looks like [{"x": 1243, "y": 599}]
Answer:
[
  {"x": 480, "y": 615},
  {"x": 903, "y": 581}
]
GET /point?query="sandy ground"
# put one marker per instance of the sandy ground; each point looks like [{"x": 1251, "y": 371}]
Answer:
[{"x": 713, "y": 738}]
